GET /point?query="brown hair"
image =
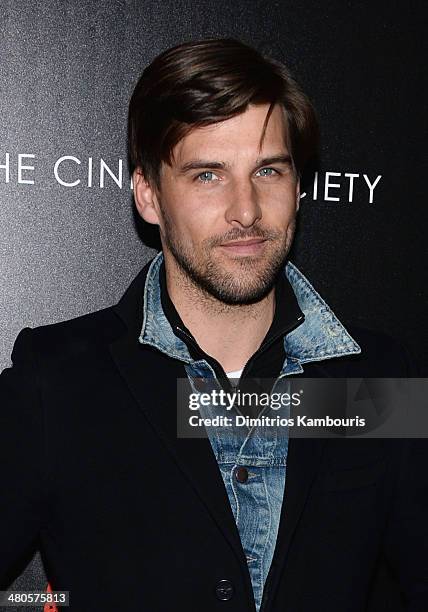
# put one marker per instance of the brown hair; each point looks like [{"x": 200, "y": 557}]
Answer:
[{"x": 200, "y": 83}]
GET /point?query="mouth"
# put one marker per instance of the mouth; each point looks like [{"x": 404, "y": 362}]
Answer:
[{"x": 252, "y": 246}]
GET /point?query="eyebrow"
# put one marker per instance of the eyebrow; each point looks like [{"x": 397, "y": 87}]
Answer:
[{"x": 199, "y": 164}]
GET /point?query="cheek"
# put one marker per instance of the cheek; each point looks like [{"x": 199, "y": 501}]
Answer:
[
  {"x": 188, "y": 207},
  {"x": 280, "y": 197},
  {"x": 279, "y": 213},
  {"x": 201, "y": 217},
  {"x": 191, "y": 227}
]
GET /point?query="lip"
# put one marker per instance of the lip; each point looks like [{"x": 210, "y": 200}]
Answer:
[
  {"x": 244, "y": 242},
  {"x": 244, "y": 247}
]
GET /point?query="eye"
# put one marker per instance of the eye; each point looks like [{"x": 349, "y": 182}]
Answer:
[
  {"x": 207, "y": 177},
  {"x": 266, "y": 172}
]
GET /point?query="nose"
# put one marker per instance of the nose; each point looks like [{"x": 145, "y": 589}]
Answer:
[{"x": 243, "y": 204}]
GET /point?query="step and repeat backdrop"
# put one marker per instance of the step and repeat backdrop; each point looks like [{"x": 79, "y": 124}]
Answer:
[{"x": 70, "y": 241}]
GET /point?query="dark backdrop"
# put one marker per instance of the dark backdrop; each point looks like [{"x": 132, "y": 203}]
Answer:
[{"x": 67, "y": 70}]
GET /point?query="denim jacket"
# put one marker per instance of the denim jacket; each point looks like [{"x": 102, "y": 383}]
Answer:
[{"x": 253, "y": 463}]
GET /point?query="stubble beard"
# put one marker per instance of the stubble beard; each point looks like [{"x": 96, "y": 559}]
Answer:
[{"x": 253, "y": 277}]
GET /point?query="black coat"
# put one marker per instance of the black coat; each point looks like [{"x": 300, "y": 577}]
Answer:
[{"x": 128, "y": 517}]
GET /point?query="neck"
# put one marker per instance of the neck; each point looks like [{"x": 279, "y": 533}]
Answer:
[{"x": 230, "y": 333}]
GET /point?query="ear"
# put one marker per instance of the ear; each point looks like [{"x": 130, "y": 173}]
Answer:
[
  {"x": 298, "y": 194},
  {"x": 145, "y": 197}
]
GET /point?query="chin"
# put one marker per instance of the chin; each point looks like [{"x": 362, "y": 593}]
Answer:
[
  {"x": 242, "y": 298},
  {"x": 229, "y": 292}
]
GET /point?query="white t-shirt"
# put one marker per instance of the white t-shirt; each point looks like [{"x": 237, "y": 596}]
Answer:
[{"x": 236, "y": 375}]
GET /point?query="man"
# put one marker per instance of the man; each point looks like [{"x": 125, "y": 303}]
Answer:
[{"x": 131, "y": 516}]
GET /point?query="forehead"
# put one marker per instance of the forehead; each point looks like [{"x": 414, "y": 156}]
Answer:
[{"x": 241, "y": 135}]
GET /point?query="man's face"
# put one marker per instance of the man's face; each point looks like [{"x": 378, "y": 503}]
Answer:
[{"x": 226, "y": 208}]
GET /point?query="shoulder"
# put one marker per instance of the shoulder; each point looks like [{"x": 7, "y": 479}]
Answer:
[
  {"x": 391, "y": 354},
  {"x": 374, "y": 340},
  {"x": 68, "y": 338},
  {"x": 382, "y": 356},
  {"x": 73, "y": 336}
]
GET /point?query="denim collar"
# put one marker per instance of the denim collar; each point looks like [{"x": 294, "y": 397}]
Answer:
[{"x": 320, "y": 336}]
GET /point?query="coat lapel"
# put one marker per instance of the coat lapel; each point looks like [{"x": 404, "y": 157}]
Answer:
[
  {"x": 303, "y": 459},
  {"x": 156, "y": 397}
]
